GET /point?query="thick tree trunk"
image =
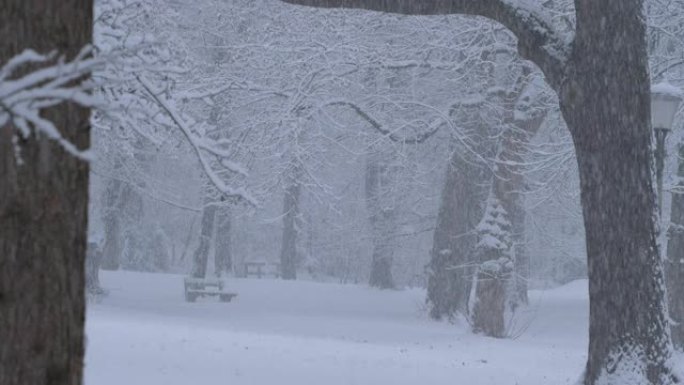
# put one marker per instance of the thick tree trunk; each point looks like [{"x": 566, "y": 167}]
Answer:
[
  {"x": 201, "y": 256},
  {"x": 674, "y": 266},
  {"x": 493, "y": 282},
  {"x": 450, "y": 269},
  {"x": 288, "y": 249},
  {"x": 379, "y": 175},
  {"x": 43, "y": 213},
  {"x": 223, "y": 259},
  {"x": 606, "y": 105}
]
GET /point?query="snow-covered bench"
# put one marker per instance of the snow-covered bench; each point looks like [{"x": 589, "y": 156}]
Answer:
[
  {"x": 261, "y": 268},
  {"x": 205, "y": 287}
]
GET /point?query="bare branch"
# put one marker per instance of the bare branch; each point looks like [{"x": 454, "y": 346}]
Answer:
[
  {"x": 420, "y": 138},
  {"x": 537, "y": 40}
]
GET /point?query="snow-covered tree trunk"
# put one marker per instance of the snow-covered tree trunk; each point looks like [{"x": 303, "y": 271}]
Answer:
[
  {"x": 489, "y": 295},
  {"x": 674, "y": 266},
  {"x": 291, "y": 219},
  {"x": 451, "y": 257},
  {"x": 381, "y": 214},
  {"x": 493, "y": 279},
  {"x": 223, "y": 257},
  {"x": 510, "y": 188},
  {"x": 43, "y": 212}
]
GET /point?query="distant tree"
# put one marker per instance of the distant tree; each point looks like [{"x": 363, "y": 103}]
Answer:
[
  {"x": 200, "y": 258},
  {"x": 223, "y": 245},
  {"x": 289, "y": 252},
  {"x": 43, "y": 192},
  {"x": 381, "y": 174}
]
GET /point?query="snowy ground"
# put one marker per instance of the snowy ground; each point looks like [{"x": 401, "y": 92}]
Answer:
[{"x": 312, "y": 333}]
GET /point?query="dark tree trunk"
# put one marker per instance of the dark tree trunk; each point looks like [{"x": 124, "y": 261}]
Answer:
[
  {"x": 43, "y": 213},
  {"x": 201, "y": 256},
  {"x": 605, "y": 103},
  {"x": 288, "y": 249},
  {"x": 451, "y": 258},
  {"x": 223, "y": 259},
  {"x": 674, "y": 266},
  {"x": 382, "y": 220}
]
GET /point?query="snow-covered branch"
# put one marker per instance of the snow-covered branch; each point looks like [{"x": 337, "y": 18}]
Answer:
[
  {"x": 24, "y": 95},
  {"x": 200, "y": 145},
  {"x": 538, "y": 40}
]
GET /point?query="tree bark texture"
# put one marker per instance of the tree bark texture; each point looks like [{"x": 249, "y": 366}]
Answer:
[
  {"x": 606, "y": 104},
  {"x": 43, "y": 212}
]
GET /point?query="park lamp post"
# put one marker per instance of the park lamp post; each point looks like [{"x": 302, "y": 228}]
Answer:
[{"x": 665, "y": 100}]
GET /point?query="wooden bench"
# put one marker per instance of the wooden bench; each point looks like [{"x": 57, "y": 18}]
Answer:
[
  {"x": 205, "y": 287},
  {"x": 261, "y": 268}
]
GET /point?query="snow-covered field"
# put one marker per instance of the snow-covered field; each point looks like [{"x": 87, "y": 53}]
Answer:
[{"x": 313, "y": 333}]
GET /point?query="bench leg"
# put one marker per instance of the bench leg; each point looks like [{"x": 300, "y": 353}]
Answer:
[
  {"x": 225, "y": 297},
  {"x": 190, "y": 297}
]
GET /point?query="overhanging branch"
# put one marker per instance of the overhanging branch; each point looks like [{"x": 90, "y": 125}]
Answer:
[{"x": 537, "y": 40}]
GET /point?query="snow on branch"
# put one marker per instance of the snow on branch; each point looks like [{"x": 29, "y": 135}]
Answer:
[
  {"x": 417, "y": 139},
  {"x": 538, "y": 40},
  {"x": 200, "y": 146},
  {"x": 23, "y": 97}
]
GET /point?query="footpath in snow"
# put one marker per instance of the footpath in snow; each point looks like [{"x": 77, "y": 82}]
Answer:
[{"x": 293, "y": 332}]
